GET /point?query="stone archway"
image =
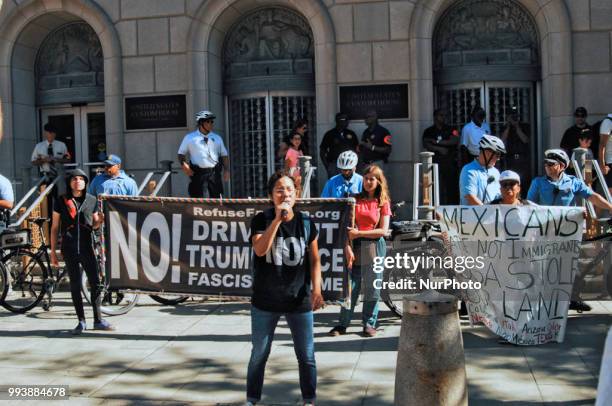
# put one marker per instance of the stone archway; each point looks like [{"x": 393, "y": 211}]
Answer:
[
  {"x": 554, "y": 31},
  {"x": 206, "y": 39},
  {"x": 22, "y": 32}
]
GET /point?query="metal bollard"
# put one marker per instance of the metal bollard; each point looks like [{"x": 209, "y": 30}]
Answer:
[
  {"x": 430, "y": 360},
  {"x": 427, "y": 184}
]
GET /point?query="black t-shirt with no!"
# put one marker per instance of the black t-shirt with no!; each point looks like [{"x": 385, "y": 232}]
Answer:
[{"x": 281, "y": 278}]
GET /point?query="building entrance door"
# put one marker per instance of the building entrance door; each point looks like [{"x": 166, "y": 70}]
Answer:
[
  {"x": 258, "y": 122},
  {"x": 82, "y": 129},
  {"x": 498, "y": 99}
]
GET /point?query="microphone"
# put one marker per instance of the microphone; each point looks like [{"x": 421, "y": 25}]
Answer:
[{"x": 284, "y": 213}]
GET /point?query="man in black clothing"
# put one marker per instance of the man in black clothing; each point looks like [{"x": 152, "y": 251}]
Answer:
[
  {"x": 442, "y": 140},
  {"x": 336, "y": 141},
  {"x": 571, "y": 135},
  {"x": 375, "y": 145},
  {"x": 516, "y": 138}
]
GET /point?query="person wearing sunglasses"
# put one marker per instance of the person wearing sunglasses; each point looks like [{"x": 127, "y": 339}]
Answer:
[
  {"x": 479, "y": 180},
  {"x": 560, "y": 189},
  {"x": 113, "y": 181},
  {"x": 207, "y": 158},
  {"x": 510, "y": 184}
]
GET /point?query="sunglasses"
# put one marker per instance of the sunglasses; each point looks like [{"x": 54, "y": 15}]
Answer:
[
  {"x": 551, "y": 163},
  {"x": 209, "y": 121}
]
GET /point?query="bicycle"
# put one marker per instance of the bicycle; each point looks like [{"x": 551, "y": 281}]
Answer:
[{"x": 31, "y": 278}]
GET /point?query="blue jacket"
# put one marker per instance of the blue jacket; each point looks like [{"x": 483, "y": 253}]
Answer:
[
  {"x": 338, "y": 187},
  {"x": 120, "y": 185},
  {"x": 545, "y": 192}
]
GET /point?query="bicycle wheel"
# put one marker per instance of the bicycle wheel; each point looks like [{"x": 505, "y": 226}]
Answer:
[
  {"x": 3, "y": 282},
  {"x": 27, "y": 276},
  {"x": 169, "y": 300},
  {"x": 114, "y": 303},
  {"x": 395, "y": 300}
]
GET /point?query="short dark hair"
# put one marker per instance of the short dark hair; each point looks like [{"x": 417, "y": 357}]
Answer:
[
  {"x": 275, "y": 178},
  {"x": 340, "y": 116},
  {"x": 300, "y": 122},
  {"x": 50, "y": 128},
  {"x": 477, "y": 110}
]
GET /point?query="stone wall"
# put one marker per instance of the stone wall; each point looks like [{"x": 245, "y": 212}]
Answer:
[
  {"x": 592, "y": 41},
  {"x": 372, "y": 42}
]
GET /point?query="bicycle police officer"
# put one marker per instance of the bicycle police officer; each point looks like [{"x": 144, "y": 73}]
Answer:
[
  {"x": 560, "y": 189},
  {"x": 347, "y": 182},
  {"x": 207, "y": 155},
  {"x": 7, "y": 198},
  {"x": 479, "y": 180}
]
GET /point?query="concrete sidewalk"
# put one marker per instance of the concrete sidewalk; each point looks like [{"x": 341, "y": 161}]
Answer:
[{"x": 198, "y": 352}]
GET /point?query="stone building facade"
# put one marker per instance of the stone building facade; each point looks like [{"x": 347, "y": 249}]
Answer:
[{"x": 90, "y": 65}]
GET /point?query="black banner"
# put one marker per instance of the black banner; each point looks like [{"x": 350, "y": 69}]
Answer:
[
  {"x": 142, "y": 113},
  {"x": 389, "y": 101},
  {"x": 203, "y": 247}
]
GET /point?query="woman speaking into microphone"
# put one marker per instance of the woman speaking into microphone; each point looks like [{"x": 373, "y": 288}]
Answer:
[{"x": 285, "y": 266}]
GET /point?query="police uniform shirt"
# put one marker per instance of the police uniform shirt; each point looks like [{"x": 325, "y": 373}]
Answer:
[
  {"x": 336, "y": 142},
  {"x": 478, "y": 181},
  {"x": 6, "y": 190},
  {"x": 42, "y": 149},
  {"x": 204, "y": 150},
  {"x": 471, "y": 135},
  {"x": 379, "y": 136},
  {"x": 547, "y": 192}
]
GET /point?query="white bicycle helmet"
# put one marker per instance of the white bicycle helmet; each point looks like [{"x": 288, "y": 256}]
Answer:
[
  {"x": 204, "y": 115},
  {"x": 347, "y": 160},
  {"x": 557, "y": 155},
  {"x": 493, "y": 143}
]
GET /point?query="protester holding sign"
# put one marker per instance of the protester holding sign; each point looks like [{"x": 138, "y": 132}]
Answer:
[
  {"x": 285, "y": 264},
  {"x": 479, "y": 180},
  {"x": 372, "y": 216},
  {"x": 510, "y": 183},
  {"x": 76, "y": 214}
]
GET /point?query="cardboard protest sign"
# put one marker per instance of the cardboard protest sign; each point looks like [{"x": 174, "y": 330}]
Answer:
[
  {"x": 530, "y": 258},
  {"x": 197, "y": 246}
]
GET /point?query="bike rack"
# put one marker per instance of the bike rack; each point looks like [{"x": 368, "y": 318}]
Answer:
[
  {"x": 27, "y": 196},
  {"x": 416, "y": 196},
  {"x": 161, "y": 182},
  {"x": 144, "y": 182},
  {"x": 36, "y": 202}
]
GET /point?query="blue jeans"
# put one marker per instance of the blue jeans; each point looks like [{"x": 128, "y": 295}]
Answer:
[
  {"x": 263, "y": 324},
  {"x": 371, "y": 295}
]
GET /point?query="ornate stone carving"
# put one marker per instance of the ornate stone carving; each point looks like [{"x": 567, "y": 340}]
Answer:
[
  {"x": 269, "y": 34},
  {"x": 70, "y": 65},
  {"x": 73, "y": 48},
  {"x": 469, "y": 30}
]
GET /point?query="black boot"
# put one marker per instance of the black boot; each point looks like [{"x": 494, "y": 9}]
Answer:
[{"x": 579, "y": 306}]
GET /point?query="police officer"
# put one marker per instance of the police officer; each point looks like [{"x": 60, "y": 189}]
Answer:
[
  {"x": 47, "y": 153},
  {"x": 375, "y": 145},
  {"x": 336, "y": 141},
  {"x": 559, "y": 189},
  {"x": 479, "y": 180},
  {"x": 207, "y": 155},
  {"x": 113, "y": 181}
]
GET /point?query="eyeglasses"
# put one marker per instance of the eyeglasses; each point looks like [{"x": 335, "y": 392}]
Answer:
[{"x": 209, "y": 121}]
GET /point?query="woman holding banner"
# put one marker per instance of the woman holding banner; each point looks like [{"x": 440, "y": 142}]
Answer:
[
  {"x": 286, "y": 263},
  {"x": 372, "y": 216},
  {"x": 76, "y": 215}
]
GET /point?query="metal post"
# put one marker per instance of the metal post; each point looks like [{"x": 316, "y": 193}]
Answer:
[
  {"x": 415, "y": 191},
  {"x": 167, "y": 166},
  {"x": 426, "y": 211},
  {"x": 306, "y": 170},
  {"x": 430, "y": 360},
  {"x": 40, "y": 198}
]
